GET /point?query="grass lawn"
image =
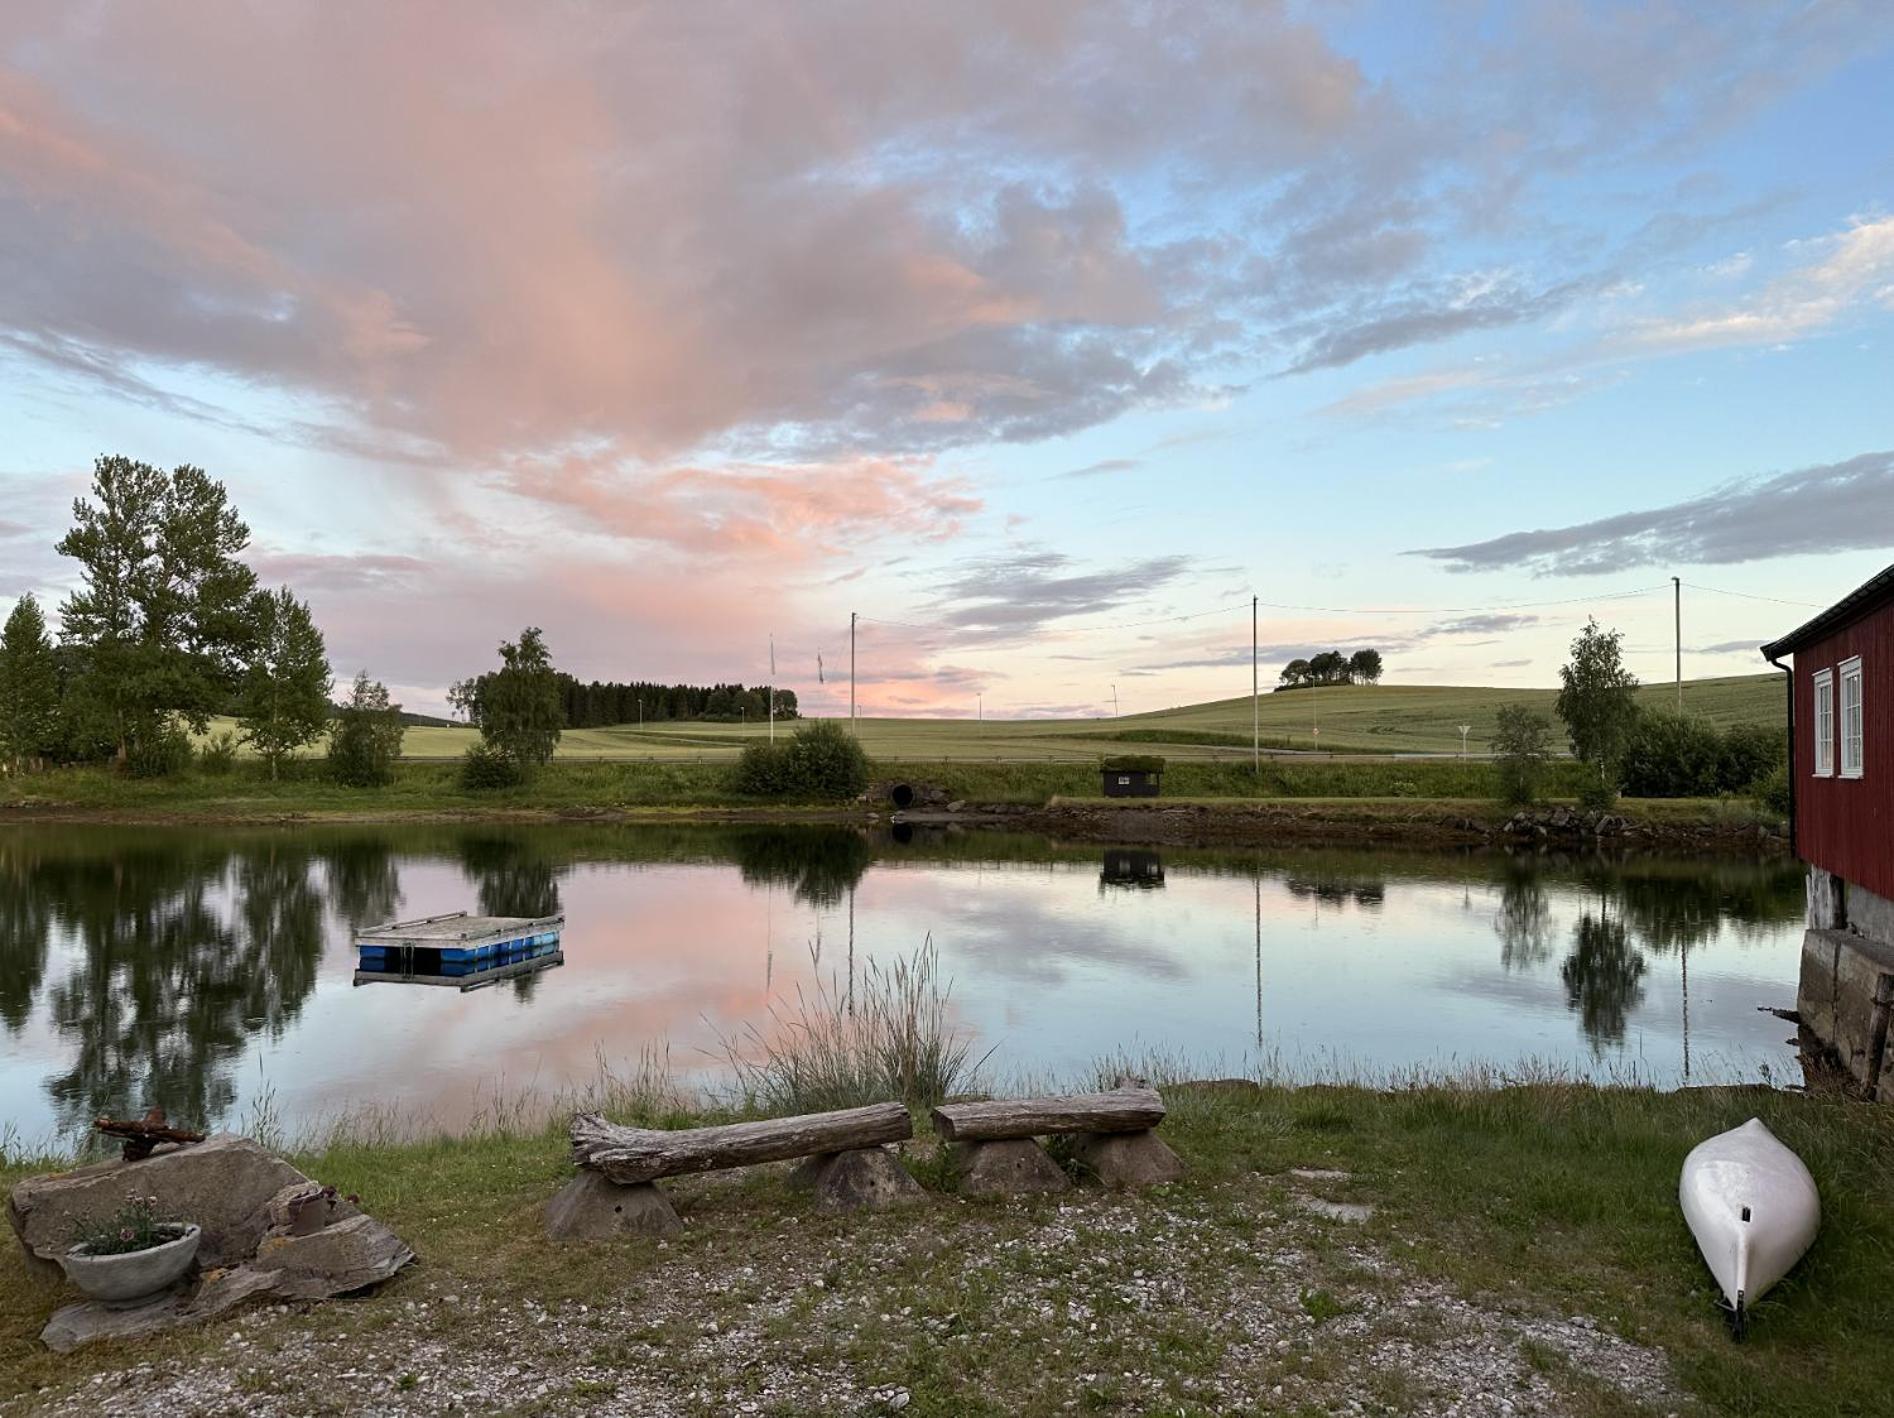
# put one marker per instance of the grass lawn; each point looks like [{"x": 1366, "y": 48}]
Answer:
[{"x": 1499, "y": 1216}]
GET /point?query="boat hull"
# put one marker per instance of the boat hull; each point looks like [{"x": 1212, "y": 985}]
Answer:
[{"x": 1752, "y": 1207}]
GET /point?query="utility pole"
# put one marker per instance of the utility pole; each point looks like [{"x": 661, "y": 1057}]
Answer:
[
  {"x": 1114, "y": 701},
  {"x": 770, "y": 689},
  {"x": 981, "y": 711},
  {"x": 1677, "y": 589},
  {"x": 1256, "y": 704},
  {"x": 851, "y": 674}
]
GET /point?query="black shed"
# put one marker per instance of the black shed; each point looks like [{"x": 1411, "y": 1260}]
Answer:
[{"x": 1131, "y": 776}]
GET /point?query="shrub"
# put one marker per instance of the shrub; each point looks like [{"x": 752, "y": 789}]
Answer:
[
  {"x": 1132, "y": 763},
  {"x": 1672, "y": 755},
  {"x": 822, "y": 762},
  {"x": 219, "y": 754},
  {"x": 1771, "y": 792},
  {"x": 827, "y": 763},
  {"x": 486, "y": 767},
  {"x": 1522, "y": 743},
  {"x": 1596, "y": 794},
  {"x": 763, "y": 770},
  {"x": 160, "y": 753},
  {"x": 365, "y": 739},
  {"x": 1678, "y": 756}
]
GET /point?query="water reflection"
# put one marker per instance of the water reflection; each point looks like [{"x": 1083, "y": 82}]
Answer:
[
  {"x": 189, "y": 969},
  {"x": 1134, "y": 867}
]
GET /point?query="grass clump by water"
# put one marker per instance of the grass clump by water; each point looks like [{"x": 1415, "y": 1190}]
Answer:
[{"x": 888, "y": 1038}]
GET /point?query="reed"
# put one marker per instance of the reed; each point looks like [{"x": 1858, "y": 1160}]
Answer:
[{"x": 889, "y": 1037}]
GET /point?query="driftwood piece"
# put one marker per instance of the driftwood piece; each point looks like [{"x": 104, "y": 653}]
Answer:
[
  {"x": 141, "y": 1135},
  {"x": 1121, "y": 1110},
  {"x": 632, "y": 1155}
]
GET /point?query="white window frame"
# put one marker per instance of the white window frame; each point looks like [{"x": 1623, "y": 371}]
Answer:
[
  {"x": 1852, "y": 763},
  {"x": 1824, "y": 723}
]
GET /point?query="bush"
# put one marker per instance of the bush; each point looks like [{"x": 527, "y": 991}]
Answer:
[
  {"x": 763, "y": 770},
  {"x": 486, "y": 767},
  {"x": 1771, "y": 792},
  {"x": 219, "y": 754},
  {"x": 822, "y": 762},
  {"x": 1522, "y": 744},
  {"x": 365, "y": 739},
  {"x": 164, "y": 751},
  {"x": 1596, "y": 794},
  {"x": 1678, "y": 756}
]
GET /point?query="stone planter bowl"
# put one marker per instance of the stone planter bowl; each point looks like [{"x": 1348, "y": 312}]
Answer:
[{"x": 132, "y": 1276}]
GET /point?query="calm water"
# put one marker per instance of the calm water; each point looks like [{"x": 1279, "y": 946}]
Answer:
[{"x": 199, "y": 968}]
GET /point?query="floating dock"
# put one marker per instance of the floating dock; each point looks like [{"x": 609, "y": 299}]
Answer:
[{"x": 466, "y": 952}]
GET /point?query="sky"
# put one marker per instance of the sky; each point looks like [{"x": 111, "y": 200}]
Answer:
[{"x": 1040, "y": 337}]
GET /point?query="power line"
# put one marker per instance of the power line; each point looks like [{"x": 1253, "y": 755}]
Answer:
[{"x": 1752, "y": 596}]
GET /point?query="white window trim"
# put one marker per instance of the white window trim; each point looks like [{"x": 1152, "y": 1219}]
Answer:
[
  {"x": 1850, "y": 669},
  {"x": 1824, "y": 760}
]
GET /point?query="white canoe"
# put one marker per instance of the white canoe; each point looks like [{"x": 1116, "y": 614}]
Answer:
[{"x": 1753, "y": 1208}]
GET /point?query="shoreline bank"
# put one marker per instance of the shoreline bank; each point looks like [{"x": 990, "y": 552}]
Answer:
[
  {"x": 1666, "y": 825},
  {"x": 1519, "y": 1242}
]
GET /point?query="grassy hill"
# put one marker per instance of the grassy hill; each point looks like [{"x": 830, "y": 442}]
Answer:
[{"x": 1351, "y": 719}]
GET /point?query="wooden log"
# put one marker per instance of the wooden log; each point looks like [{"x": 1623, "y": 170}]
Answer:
[
  {"x": 630, "y": 1155},
  {"x": 1121, "y": 1110},
  {"x": 142, "y": 1135}
]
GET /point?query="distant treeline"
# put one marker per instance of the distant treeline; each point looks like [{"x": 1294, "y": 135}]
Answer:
[
  {"x": 594, "y": 704},
  {"x": 1332, "y": 667}
]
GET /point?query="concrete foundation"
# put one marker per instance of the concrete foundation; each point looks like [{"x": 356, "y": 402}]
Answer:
[{"x": 1846, "y": 992}]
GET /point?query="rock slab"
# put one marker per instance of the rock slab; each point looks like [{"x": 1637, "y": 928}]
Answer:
[
  {"x": 1012, "y": 1167},
  {"x": 862, "y": 1179},
  {"x": 592, "y": 1207},
  {"x": 267, "y": 1231},
  {"x": 225, "y": 1185},
  {"x": 1125, "y": 1161}
]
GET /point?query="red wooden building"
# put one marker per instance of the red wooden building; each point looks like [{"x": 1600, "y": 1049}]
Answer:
[{"x": 1841, "y": 773}]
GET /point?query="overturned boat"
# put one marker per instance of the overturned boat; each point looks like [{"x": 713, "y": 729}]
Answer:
[{"x": 1754, "y": 1210}]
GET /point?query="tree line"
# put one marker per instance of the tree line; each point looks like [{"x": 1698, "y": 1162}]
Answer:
[
  {"x": 597, "y": 703},
  {"x": 1332, "y": 667}
]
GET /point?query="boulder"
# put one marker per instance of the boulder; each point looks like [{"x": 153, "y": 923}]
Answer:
[
  {"x": 1124, "y": 1161},
  {"x": 1013, "y": 1167},
  {"x": 592, "y": 1207},
  {"x": 860, "y": 1179},
  {"x": 267, "y": 1231},
  {"x": 225, "y": 1185}
]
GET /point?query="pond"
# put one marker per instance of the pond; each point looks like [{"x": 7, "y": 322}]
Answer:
[{"x": 210, "y": 970}]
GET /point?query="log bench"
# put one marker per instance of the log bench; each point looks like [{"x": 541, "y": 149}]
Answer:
[
  {"x": 616, "y": 1190},
  {"x": 1109, "y": 1133}
]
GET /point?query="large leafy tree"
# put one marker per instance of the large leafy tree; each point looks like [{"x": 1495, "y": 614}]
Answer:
[
  {"x": 520, "y": 710},
  {"x": 29, "y": 687},
  {"x": 366, "y": 739},
  {"x": 1598, "y": 700},
  {"x": 159, "y": 622},
  {"x": 1364, "y": 666},
  {"x": 283, "y": 698}
]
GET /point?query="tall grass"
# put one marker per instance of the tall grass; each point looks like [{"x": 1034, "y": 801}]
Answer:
[{"x": 890, "y": 1037}]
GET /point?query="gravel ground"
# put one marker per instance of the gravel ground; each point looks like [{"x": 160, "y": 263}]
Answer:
[{"x": 1215, "y": 1299}]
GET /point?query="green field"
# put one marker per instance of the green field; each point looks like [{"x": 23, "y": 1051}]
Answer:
[{"x": 1371, "y": 719}]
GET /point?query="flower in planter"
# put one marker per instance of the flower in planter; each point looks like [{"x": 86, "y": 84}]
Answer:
[{"x": 135, "y": 1226}]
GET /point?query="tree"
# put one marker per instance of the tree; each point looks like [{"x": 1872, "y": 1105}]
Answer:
[
  {"x": 1329, "y": 667},
  {"x": 283, "y": 698},
  {"x": 366, "y": 739},
  {"x": 1598, "y": 701},
  {"x": 160, "y": 617},
  {"x": 1295, "y": 674},
  {"x": 29, "y": 687},
  {"x": 519, "y": 704},
  {"x": 1522, "y": 742},
  {"x": 463, "y": 698},
  {"x": 1364, "y": 666}
]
